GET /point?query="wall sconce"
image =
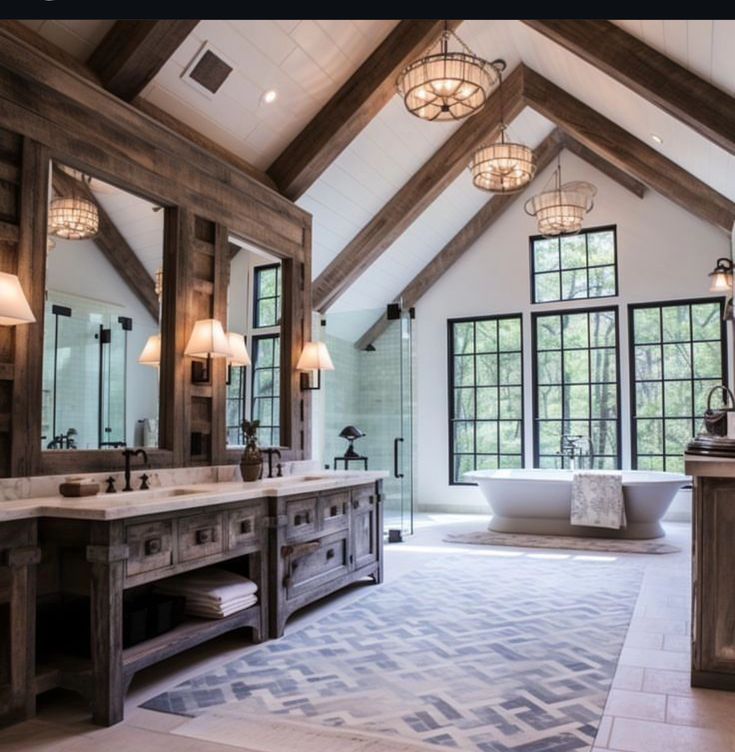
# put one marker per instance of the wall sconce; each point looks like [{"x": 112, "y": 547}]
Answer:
[
  {"x": 208, "y": 340},
  {"x": 722, "y": 276},
  {"x": 314, "y": 357},
  {"x": 151, "y": 353},
  {"x": 238, "y": 353},
  {"x": 14, "y": 308}
]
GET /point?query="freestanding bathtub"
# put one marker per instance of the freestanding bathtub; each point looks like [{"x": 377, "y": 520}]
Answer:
[{"x": 538, "y": 502}]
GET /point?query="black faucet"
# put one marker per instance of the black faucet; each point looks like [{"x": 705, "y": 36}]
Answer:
[
  {"x": 129, "y": 454},
  {"x": 270, "y": 451}
]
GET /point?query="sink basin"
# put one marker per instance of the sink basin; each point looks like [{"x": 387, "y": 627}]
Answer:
[{"x": 158, "y": 493}]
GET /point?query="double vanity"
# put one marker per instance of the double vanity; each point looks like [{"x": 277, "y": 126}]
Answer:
[{"x": 298, "y": 538}]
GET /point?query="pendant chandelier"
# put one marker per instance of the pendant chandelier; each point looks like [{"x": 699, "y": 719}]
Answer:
[
  {"x": 502, "y": 167},
  {"x": 560, "y": 210},
  {"x": 447, "y": 85},
  {"x": 73, "y": 217}
]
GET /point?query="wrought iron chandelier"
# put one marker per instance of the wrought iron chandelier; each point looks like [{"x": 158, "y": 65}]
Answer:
[
  {"x": 447, "y": 85},
  {"x": 73, "y": 217},
  {"x": 560, "y": 210},
  {"x": 502, "y": 167}
]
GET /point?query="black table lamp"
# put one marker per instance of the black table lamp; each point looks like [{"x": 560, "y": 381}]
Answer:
[{"x": 351, "y": 433}]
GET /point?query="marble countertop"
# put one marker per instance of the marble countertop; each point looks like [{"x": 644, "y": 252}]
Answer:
[
  {"x": 708, "y": 466},
  {"x": 185, "y": 496}
]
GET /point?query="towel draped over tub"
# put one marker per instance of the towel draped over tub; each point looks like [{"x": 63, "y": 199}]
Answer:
[{"x": 597, "y": 500}]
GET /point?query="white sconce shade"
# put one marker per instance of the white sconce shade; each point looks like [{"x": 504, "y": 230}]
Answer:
[
  {"x": 315, "y": 357},
  {"x": 721, "y": 282},
  {"x": 238, "y": 351},
  {"x": 14, "y": 308},
  {"x": 208, "y": 340},
  {"x": 151, "y": 353}
]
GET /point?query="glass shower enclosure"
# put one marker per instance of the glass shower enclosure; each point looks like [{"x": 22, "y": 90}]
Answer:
[{"x": 371, "y": 388}]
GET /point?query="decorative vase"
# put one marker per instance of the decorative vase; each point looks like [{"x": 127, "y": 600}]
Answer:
[{"x": 251, "y": 463}]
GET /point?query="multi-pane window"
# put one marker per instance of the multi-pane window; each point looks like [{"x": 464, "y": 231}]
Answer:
[
  {"x": 267, "y": 387},
  {"x": 267, "y": 296},
  {"x": 572, "y": 267},
  {"x": 576, "y": 385},
  {"x": 236, "y": 399},
  {"x": 485, "y": 394},
  {"x": 678, "y": 353}
]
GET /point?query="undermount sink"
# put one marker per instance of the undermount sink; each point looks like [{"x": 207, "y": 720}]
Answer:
[{"x": 161, "y": 493}]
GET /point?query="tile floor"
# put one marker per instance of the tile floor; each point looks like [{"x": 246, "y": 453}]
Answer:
[{"x": 651, "y": 707}]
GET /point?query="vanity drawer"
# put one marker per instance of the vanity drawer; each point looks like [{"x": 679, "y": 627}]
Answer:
[
  {"x": 334, "y": 511},
  {"x": 151, "y": 546},
  {"x": 200, "y": 535},
  {"x": 301, "y": 515},
  {"x": 314, "y": 563},
  {"x": 363, "y": 499},
  {"x": 243, "y": 526}
]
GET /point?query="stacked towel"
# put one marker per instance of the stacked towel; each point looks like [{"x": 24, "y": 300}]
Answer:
[
  {"x": 597, "y": 500},
  {"x": 212, "y": 593}
]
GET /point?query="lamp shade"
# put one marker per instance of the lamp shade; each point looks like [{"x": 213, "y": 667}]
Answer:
[
  {"x": 238, "y": 351},
  {"x": 208, "y": 339},
  {"x": 315, "y": 357},
  {"x": 721, "y": 276},
  {"x": 14, "y": 308},
  {"x": 151, "y": 353},
  {"x": 351, "y": 433}
]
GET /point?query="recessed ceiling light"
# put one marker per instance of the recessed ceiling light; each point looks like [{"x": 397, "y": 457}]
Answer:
[
  {"x": 270, "y": 96},
  {"x": 655, "y": 137}
]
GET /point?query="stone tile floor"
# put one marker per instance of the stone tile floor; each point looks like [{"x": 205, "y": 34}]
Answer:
[{"x": 651, "y": 707}]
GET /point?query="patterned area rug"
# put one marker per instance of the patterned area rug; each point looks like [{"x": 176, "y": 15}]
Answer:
[
  {"x": 490, "y": 655},
  {"x": 617, "y": 545}
]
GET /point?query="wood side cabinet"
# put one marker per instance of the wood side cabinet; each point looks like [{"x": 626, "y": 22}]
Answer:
[
  {"x": 713, "y": 617},
  {"x": 320, "y": 543}
]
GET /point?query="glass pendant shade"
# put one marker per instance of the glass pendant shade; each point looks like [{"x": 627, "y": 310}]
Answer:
[
  {"x": 238, "y": 351},
  {"x": 151, "y": 353},
  {"x": 73, "y": 218},
  {"x": 446, "y": 85},
  {"x": 561, "y": 210},
  {"x": 315, "y": 357},
  {"x": 721, "y": 277},
  {"x": 503, "y": 167},
  {"x": 208, "y": 339},
  {"x": 14, "y": 307}
]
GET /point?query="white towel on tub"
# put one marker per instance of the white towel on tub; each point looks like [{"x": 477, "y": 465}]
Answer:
[{"x": 597, "y": 500}]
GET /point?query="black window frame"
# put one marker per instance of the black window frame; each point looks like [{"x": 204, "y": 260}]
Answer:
[
  {"x": 275, "y": 414},
  {"x": 587, "y": 231},
  {"x": 240, "y": 398},
  {"x": 450, "y": 406},
  {"x": 632, "y": 370},
  {"x": 535, "y": 315},
  {"x": 257, "y": 271}
]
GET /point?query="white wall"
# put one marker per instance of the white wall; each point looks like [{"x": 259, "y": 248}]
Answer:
[
  {"x": 80, "y": 268},
  {"x": 664, "y": 253}
]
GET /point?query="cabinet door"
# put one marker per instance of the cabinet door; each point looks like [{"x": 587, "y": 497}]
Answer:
[
  {"x": 315, "y": 564},
  {"x": 364, "y": 527}
]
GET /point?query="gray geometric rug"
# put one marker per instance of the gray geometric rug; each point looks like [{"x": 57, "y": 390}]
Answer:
[
  {"x": 521, "y": 540},
  {"x": 488, "y": 655}
]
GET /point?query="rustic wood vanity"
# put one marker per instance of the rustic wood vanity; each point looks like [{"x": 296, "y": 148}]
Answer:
[{"x": 298, "y": 539}]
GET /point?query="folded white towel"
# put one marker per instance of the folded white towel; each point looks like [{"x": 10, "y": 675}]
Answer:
[
  {"x": 217, "y": 585},
  {"x": 219, "y": 612},
  {"x": 597, "y": 500}
]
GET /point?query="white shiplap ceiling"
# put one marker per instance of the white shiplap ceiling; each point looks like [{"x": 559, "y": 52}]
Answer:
[{"x": 306, "y": 61}]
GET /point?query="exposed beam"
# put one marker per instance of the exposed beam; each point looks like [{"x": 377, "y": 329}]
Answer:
[
  {"x": 657, "y": 78},
  {"x": 132, "y": 52},
  {"x": 480, "y": 223},
  {"x": 356, "y": 103},
  {"x": 113, "y": 245},
  {"x": 613, "y": 172},
  {"x": 625, "y": 151},
  {"x": 203, "y": 141},
  {"x": 417, "y": 194}
]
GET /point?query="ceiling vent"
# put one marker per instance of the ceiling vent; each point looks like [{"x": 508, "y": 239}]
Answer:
[{"x": 208, "y": 70}]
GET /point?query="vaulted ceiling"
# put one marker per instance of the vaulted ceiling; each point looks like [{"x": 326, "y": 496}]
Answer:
[{"x": 317, "y": 66}]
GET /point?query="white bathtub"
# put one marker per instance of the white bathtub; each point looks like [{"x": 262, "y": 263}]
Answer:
[{"x": 538, "y": 502}]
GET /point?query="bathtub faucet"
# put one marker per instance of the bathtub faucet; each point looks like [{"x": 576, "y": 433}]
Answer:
[{"x": 572, "y": 447}]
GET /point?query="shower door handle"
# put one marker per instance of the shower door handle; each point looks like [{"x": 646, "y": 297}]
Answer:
[{"x": 396, "y": 441}]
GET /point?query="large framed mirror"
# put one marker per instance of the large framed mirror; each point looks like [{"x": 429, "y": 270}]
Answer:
[
  {"x": 102, "y": 343},
  {"x": 254, "y": 310}
]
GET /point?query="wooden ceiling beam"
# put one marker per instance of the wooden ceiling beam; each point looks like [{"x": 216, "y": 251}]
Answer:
[
  {"x": 614, "y": 173},
  {"x": 626, "y": 152},
  {"x": 658, "y": 79},
  {"x": 480, "y": 223},
  {"x": 132, "y": 52},
  {"x": 113, "y": 245},
  {"x": 356, "y": 103},
  {"x": 417, "y": 194}
]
